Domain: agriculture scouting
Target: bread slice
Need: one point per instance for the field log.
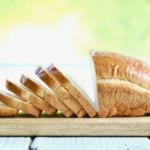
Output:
(123, 85)
(19, 104)
(73, 89)
(48, 96)
(32, 85)
(32, 98)
(60, 91)
(8, 112)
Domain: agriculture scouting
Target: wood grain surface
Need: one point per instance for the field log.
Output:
(139, 126)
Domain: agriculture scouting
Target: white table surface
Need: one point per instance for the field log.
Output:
(74, 143)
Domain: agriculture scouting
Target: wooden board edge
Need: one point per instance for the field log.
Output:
(75, 126)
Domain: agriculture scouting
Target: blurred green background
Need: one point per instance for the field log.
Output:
(114, 25)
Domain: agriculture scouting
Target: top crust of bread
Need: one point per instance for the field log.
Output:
(32, 85)
(58, 74)
(24, 94)
(69, 85)
(110, 65)
(49, 79)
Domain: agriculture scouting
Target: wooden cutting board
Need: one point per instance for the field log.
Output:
(137, 126)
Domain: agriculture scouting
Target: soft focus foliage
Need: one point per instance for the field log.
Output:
(116, 25)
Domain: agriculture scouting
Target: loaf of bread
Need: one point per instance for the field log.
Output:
(123, 84)
(60, 91)
(48, 96)
(80, 96)
(30, 97)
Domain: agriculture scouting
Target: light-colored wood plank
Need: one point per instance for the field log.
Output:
(139, 126)
(95, 143)
(14, 143)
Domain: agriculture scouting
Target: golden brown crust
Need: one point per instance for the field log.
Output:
(61, 92)
(47, 78)
(14, 88)
(19, 104)
(109, 65)
(8, 112)
(67, 84)
(33, 99)
(32, 85)
(46, 95)
(122, 98)
(62, 79)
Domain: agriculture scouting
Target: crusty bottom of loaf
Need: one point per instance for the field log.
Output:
(122, 98)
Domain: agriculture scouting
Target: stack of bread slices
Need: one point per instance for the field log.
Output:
(31, 97)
